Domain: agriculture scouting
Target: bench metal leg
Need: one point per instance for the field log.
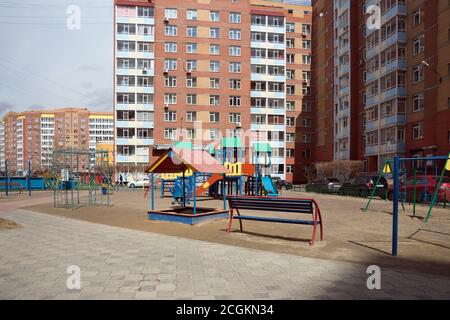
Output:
(240, 220)
(230, 220)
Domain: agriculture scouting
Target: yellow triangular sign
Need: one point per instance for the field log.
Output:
(447, 165)
(387, 168)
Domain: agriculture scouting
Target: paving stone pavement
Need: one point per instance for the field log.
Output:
(119, 263)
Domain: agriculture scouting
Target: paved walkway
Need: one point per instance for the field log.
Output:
(127, 264)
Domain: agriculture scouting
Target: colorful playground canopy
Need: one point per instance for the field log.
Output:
(177, 160)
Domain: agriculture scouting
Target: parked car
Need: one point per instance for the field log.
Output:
(280, 183)
(423, 183)
(325, 185)
(363, 186)
(139, 183)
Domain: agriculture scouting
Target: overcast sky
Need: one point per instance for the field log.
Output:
(43, 64)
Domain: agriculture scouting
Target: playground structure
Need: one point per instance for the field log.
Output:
(18, 184)
(248, 179)
(66, 180)
(432, 194)
(199, 162)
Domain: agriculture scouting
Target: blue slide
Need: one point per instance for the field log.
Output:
(269, 187)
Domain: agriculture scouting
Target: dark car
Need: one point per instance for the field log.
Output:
(325, 185)
(425, 187)
(363, 186)
(280, 183)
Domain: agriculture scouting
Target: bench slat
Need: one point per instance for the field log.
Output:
(277, 220)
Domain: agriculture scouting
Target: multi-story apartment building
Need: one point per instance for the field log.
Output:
(33, 136)
(390, 58)
(2, 146)
(228, 68)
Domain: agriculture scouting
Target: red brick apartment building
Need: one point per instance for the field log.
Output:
(381, 91)
(240, 68)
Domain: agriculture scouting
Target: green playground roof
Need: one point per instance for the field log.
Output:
(231, 143)
(262, 147)
(183, 145)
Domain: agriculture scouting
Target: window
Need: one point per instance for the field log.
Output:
(170, 133)
(235, 34)
(417, 73)
(191, 116)
(290, 43)
(418, 131)
(235, 84)
(418, 45)
(214, 33)
(170, 116)
(214, 100)
(418, 102)
(214, 83)
(235, 101)
(306, 44)
(235, 51)
(290, 105)
(290, 121)
(170, 82)
(191, 82)
(170, 47)
(191, 48)
(191, 99)
(306, 59)
(170, 64)
(214, 66)
(235, 67)
(170, 13)
(235, 17)
(235, 118)
(214, 49)
(145, 30)
(170, 30)
(145, 46)
(290, 27)
(290, 58)
(191, 32)
(144, 12)
(214, 134)
(214, 16)
(306, 29)
(417, 17)
(214, 117)
(191, 14)
(191, 65)
(170, 98)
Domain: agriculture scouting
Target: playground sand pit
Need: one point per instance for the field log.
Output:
(8, 224)
(349, 234)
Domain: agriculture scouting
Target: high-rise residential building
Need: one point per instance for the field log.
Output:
(390, 93)
(33, 136)
(202, 70)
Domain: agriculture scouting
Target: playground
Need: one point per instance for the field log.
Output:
(350, 235)
(218, 197)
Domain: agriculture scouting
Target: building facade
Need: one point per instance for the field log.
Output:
(213, 69)
(390, 89)
(33, 136)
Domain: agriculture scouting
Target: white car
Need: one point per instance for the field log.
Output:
(138, 183)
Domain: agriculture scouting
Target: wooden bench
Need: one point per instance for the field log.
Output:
(276, 204)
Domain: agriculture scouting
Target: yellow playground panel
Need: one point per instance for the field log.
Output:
(234, 168)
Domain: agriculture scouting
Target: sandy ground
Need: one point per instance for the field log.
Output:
(349, 234)
(7, 224)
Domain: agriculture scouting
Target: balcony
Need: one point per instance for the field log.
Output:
(267, 77)
(398, 9)
(268, 45)
(135, 106)
(135, 20)
(135, 54)
(135, 72)
(385, 96)
(386, 43)
(268, 61)
(267, 28)
(135, 37)
(133, 141)
(135, 89)
(397, 64)
(132, 159)
(268, 94)
(134, 124)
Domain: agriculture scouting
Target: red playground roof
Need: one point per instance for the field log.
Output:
(178, 160)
